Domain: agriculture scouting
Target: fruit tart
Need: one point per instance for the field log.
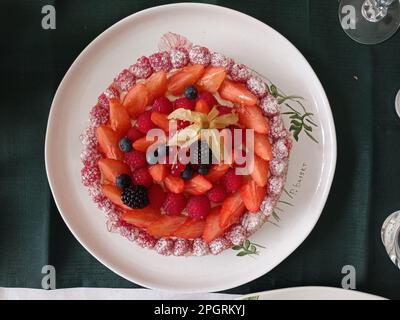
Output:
(186, 151)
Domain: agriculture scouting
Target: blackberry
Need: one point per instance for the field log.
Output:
(123, 181)
(203, 169)
(187, 173)
(190, 92)
(200, 153)
(135, 197)
(125, 144)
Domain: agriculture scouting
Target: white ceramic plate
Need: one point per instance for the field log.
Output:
(311, 293)
(248, 41)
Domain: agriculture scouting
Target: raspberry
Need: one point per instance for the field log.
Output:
(199, 55)
(200, 248)
(275, 185)
(160, 61)
(99, 115)
(164, 246)
(208, 97)
(145, 240)
(177, 168)
(135, 159)
(142, 176)
(224, 110)
(217, 194)
(144, 123)
(251, 222)
(240, 72)
(277, 128)
(133, 134)
(278, 167)
(198, 206)
(90, 156)
(142, 68)
(257, 86)
(181, 247)
(269, 106)
(218, 245)
(237, 235)
(179, 58)
(268, 206)
(280, 149)
(125, 80)
(174, 203)
(231, 181)
(88, 137)
(90, 175)
(220, 60)
(184, 103)
(163, 105)
(156, 196)
(104, 98)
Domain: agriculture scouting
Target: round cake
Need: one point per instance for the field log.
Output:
(186, 151)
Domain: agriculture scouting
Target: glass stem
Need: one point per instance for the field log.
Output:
(375, 10)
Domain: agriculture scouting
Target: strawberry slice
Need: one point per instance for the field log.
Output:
(160, 120)
(212, 79)
(141, 218)
(252, 117)
(119, 118)
(186, 77)
(232, 209)
(142, 144)
(198, 185)
(110, 169)
(216, 172)
(202, 106)
(174, 184)
(262, 146)
(252, 195)
(212, 228)
(158, 172)
(108, 141)
(156, 85)
(114, 194)
(136, 100)
(191, 229)
(237, 93)
(165, 225)
(260, 172)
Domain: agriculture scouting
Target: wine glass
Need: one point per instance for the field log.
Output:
(390, 235)
(369, 21)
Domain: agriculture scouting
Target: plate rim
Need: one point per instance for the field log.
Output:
(324, 192)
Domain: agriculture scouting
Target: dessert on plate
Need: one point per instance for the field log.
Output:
(185, 151)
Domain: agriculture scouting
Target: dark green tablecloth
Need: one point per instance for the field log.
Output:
(360, 81)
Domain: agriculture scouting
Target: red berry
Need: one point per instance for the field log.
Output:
(184, 103)
(174, 203)
(133, 134)
(217, 194)
(125, 80)
(231, 181)
(144, 123)
(199, 55)
(135, 159)
(142, 176)
(224, 110)
(208, 97)
(198, 206)
(179, 57)
(90, 175)
(239, 72)
(163, 105)
(156, 196)
(160, 61)
(109, 93)
(142, 68)
(177, 168)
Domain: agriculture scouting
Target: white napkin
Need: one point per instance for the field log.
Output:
(105, 294)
